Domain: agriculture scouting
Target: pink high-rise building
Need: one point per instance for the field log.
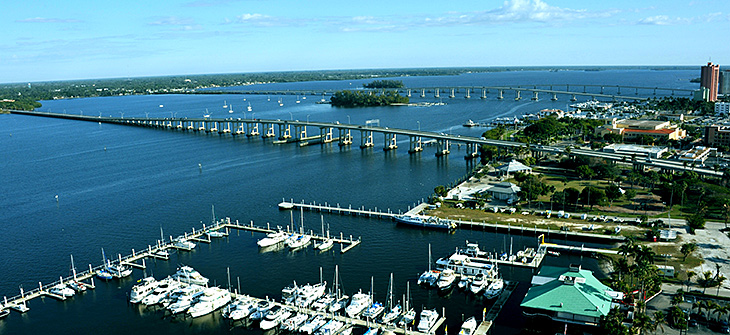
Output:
(709, 78)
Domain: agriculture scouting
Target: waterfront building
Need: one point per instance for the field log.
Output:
(696, 155)
(723, 86)
(709, 78)
(570, 295)
(631, 129)
(722, 108)
(503, 191)
(512, 167)
(717, 136)
(638, 150)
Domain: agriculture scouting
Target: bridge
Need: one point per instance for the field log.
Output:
(612, 92)
(295, 131)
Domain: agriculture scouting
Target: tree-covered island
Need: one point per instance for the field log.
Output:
(366, 98)
(384, 84)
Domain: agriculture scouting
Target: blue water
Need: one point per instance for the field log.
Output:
(117, 185)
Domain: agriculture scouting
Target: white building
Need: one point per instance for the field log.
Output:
(722, 108)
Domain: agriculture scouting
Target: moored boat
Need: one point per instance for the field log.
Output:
(425, 221)
(189, 275)
(494, 289)
(446, 279)
(427, 320)
(468, 327)
(360, 301)
(478, 284)
(144, 287)
(211, 299)
(274, 317)
(272, 239)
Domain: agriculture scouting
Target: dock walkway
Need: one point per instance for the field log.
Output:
(488, 317)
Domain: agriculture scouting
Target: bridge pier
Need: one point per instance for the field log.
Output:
(408, 94)
(269, 131)
(601, 89)
(226, 129)
(637, 91)
(390, 142)
(366, 139)
(517, 95)
(423, 93)
(472, 151)
(618, 90)
(500, 96)
(180, 125)
(252, 129)
(555, 97)
(484, 93)
(437, 93)
(442, 148)
(415, 144)
(452, 95)
(468, 93)
(534, 96)
(213, 127)
(191, 126)
(284, 131)
(326, 135)
(201, 126)
(345, 137)
(584, 88)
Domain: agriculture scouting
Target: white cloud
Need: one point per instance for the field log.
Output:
(172, 21)
(664, 20)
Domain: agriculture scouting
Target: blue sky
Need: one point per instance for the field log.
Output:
(60, 40)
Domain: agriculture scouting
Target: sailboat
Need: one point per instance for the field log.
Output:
(430, 276)
(231, 109)
(225, 105)
(162, 253)
(74, 284)
(393, 311)
(207, 114)
(410, 315)
(327, 243)
(249, 107)
(280, 103)
(298, 101)
(296, 241)
(341, 300)
(104, 272)
(215, 233)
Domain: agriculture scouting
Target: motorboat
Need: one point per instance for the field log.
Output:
(494, 289)
(189, 275)
(184, 297)
(323, 303)
(217, 233)
(262, 307)
(408, 317)
(272, 239)
(464, 282)
(330, 327)
(308, 294)
(374, 310)
(120, 270)
(392, 314)
(425, 221)
(144, 287)
(427, 320)
(293, 323)
(296, 241)
(211, 299)
(469, 326)
(446, 279)
(470, 124)
(182, 243)
(242, 309)
(62, 289)
(429, 277)
(77, 286)
(160, 292)
(478, 284)
(360, 301)
(312, 325)
(274, 317)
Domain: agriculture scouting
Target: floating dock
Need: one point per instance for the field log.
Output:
(488, 317)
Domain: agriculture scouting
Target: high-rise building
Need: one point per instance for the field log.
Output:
(724, 86)
(709, 78)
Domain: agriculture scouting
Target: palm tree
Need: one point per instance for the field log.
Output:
(677, 299)
(641, 323)
(721, 310)
(718, 282)
(659, 321)
(690, 274)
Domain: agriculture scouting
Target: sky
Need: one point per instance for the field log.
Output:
(43, 40)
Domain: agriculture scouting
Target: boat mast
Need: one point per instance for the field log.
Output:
(73, 267)
(301, 218)
(429, 257)
(390, 292)
(337, 282)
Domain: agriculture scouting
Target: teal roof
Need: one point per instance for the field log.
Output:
(585, 296)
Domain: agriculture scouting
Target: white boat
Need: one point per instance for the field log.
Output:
(463, 262)
(77, 286)
(274, 317)
(225, 105)
(429, 277)
(217, 233)
(372, 331)
(470, 123)
(392, 314)
(293, 323)
(308, 294)
(312, 325)
(446, 279)
(62, 290)
(144, 287)
(262, 307)
(119, 270)
(360, 301)
(494, 289)
(3, 312)
(184, 297)
(230, 111)
(330, 327)
(374, 310)
(182, 243)
(346, 331)
(296, 241)
(211, 299)
(325, 245)
(478, 284)
(427, 320)
(469, 326)
(249, 107)
(408, 317)
(464, 282)
(189, 275)
(242, 308)
(323, 303)
(272, 239)
(160, 292)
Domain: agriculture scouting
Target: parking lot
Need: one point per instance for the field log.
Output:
(699, 326)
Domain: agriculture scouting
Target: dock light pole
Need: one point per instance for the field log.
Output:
(252, 116)
(122, 114)
(291, 116)
(419, 125)
(308, 117)
(348, 120)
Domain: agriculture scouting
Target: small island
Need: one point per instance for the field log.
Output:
(366, 98)
(384, 84)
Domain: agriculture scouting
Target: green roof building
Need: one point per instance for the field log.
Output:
(570, 295)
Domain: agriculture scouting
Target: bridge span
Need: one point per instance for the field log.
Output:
(313, 132)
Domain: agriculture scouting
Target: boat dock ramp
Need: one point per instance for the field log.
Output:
(137, 260)
(361, 211)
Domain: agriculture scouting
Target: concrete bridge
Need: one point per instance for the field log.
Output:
(613, 92)
(312, 132)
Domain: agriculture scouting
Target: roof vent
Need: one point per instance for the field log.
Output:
(575, 267)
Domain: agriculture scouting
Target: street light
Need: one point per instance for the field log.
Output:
(348, 120)
(308, 117)
(419, 125)
(122, 114)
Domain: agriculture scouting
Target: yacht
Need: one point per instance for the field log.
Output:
(293, 324)
(425, 221)
(446, 279)
(211, 299)
(62, 290)
(274, 317)
(374, 310)
(188, 275)
(312, 325)
(183, 298)
(242, 309)
(464, 282)
(330, 327)
(470, 124)
(323, 303)
(217, 233)
(339, 304)
(360, 301)
(307, 294)
(120, 270)
(272, 239)
(182, 243)
(478, 284)
(469, 326)
(145, 287)
(262, 307)
(464, 264)
(160, 292)
(428, 319)
(429, 277)
(494, 289)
